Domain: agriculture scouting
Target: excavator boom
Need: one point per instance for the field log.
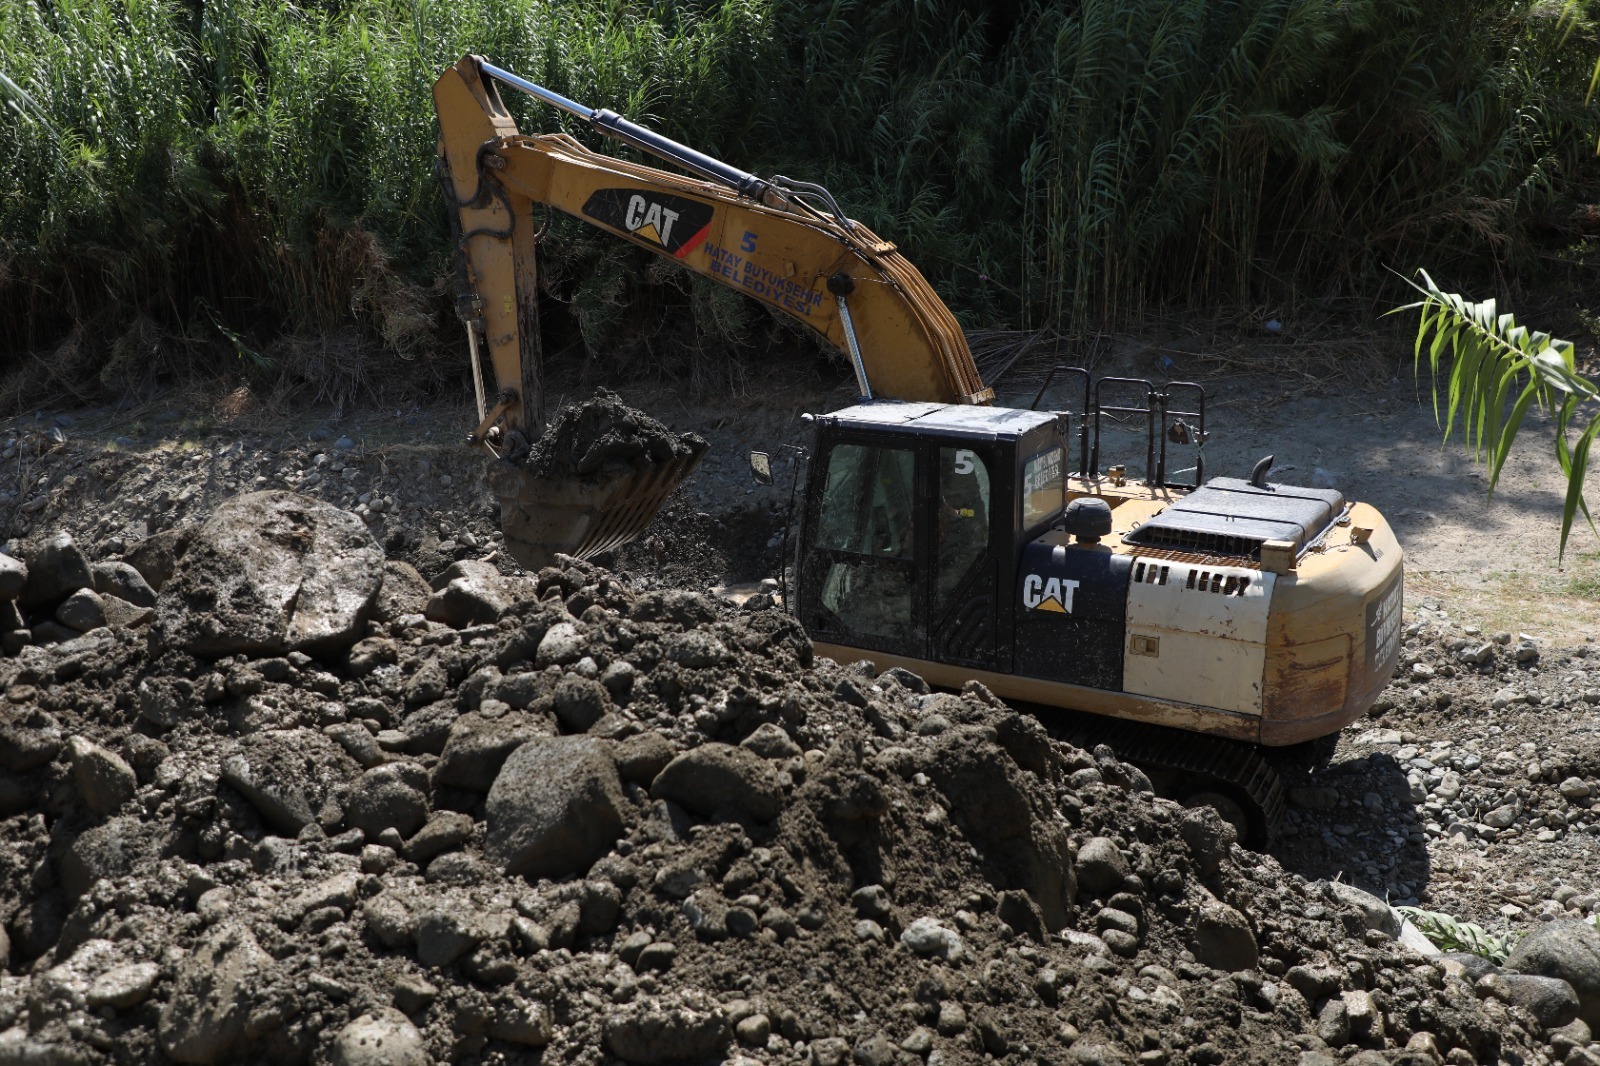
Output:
(784, 243)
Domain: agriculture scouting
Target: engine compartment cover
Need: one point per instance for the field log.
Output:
(1229, 516)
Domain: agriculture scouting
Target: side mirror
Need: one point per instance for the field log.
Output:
(761, 467)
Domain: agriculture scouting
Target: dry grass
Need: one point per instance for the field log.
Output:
(1561, 608)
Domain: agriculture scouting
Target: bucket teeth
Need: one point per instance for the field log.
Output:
(582, 516)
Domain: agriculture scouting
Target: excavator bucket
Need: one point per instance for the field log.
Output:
(543, 517)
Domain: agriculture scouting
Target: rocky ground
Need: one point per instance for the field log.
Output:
(389, 800)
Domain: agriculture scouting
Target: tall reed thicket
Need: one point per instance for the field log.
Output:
(252, 178)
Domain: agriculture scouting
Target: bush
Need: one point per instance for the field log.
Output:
(187, 183)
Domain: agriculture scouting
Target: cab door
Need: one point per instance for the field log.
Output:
(965, 555)
(862, 575)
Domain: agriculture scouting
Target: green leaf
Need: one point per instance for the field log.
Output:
(1490, 358)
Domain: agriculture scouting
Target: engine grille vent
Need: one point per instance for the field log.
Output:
(1226, 516)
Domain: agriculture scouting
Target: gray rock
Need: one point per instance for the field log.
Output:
(391, 921)
(872, 901)
(104, 781)
(56, 569)
(931, 939)
(27, 740)
(105, 852)
(641, 758)
(357, 742)
(655, 1032)
(120, 614)
(1100, 866)
(272, 572)
(124, 986)
(580, 702)
(1475, 966)
(280, 801)
(443, 936)
(563, 643)
(770, 742)
(1375, 913)
(468, 593)
(445, 831)
(521, 1021)
(383, 1038)
(721, 781)
(556, 807)
(123, 581)
(477, 747)
(1208, 836)
(403, 592)
(830, 1051)
(1569, 950)
(367, 655)
(338, 891)
(13, 577)
(1575, 788)
(204, 1020)
(1550, 1000)
(156, 557)
(393, 796)
(1222, 938)
(83, 610)
(696, 649)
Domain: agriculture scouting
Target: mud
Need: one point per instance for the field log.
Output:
(302, 856)
(739, 853)
(602, 435)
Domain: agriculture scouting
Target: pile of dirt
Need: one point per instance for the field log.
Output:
(558, 819)
(603, 435)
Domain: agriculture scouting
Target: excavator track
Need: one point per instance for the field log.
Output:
(1187, 767)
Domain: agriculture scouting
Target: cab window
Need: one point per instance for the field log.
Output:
(1044, 487)
(866, 540)
(961, 527)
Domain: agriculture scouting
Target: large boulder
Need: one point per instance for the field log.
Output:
(272, 572)
(1569, 950)
(556, 807)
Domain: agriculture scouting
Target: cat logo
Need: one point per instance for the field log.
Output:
(649, 220)
(1048, 594)
(674, 223)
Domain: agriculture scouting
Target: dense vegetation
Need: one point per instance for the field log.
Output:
(182, 178)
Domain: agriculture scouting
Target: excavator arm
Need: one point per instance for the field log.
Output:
(782, 242)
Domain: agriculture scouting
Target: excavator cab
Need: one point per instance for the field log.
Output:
(912, 524)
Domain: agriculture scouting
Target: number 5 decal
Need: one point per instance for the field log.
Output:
(965, 461)
(748, 244)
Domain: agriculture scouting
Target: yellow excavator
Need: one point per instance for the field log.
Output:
(1199, 620)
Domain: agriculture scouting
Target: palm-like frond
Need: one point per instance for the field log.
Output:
(1492, 362)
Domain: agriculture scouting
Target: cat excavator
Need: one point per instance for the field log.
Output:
(1198, 620)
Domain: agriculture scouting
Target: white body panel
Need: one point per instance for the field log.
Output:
(1197, 633)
